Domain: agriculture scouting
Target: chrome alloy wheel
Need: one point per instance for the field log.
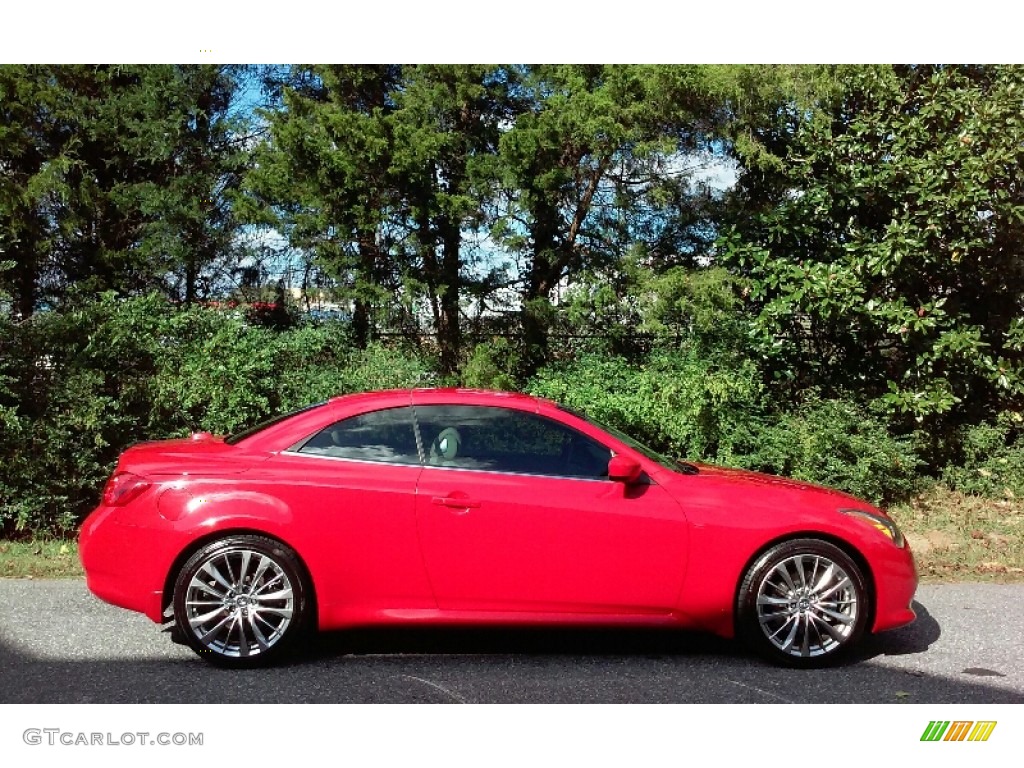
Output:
(807, 606)
(239, 603)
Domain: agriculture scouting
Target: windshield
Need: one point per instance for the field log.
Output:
(636, 445)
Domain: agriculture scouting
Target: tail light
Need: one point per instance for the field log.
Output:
(122, 488)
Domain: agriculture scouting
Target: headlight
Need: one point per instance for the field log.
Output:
(880, 523)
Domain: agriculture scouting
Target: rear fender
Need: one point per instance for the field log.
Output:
(212, 508)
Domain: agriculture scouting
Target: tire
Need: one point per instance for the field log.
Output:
(242, 601)
(803, 603)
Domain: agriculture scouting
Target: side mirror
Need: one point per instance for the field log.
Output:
(623, 469)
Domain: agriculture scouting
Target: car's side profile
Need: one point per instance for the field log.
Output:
(470, 507)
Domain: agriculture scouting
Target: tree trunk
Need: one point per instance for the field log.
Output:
(190, 280)
(536, 310)
(449, 336)
(368, 252)
(25, 278)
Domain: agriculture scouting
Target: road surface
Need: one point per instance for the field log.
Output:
(60, 644)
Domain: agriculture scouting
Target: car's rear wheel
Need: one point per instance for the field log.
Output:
(803, 603)
(241, 601)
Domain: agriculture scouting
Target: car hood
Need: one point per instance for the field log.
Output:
(773, 486)
(748, 476)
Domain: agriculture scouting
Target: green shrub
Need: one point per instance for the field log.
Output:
(214, 372)
(75, 392)
(992, 459)
(715, 409)
(491, 365)
(838, 444)
(78, 387)
(678, 402)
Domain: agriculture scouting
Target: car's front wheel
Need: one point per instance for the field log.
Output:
(803, 603)
(241, 601)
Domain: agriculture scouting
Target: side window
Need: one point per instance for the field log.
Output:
(386, 436)
(505, 440)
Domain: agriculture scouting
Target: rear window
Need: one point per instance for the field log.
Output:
(386, 436)
(240, 436)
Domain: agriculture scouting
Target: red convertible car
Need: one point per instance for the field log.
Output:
(468, 507)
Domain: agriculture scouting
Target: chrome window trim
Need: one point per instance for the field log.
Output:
(521, 474)
(292, 452)
(301, 454)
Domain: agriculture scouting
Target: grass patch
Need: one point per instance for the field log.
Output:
(40, 559)
(956, 537)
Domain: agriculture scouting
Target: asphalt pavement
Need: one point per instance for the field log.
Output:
(60, 644)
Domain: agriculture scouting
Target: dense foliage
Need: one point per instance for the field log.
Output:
(812, 271)
(122, 371)
(884, 251)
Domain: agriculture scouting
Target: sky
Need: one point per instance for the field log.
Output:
(741, 31)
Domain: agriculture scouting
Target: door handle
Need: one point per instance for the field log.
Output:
(455, 502)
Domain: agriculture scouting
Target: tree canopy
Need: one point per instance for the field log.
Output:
(883, 251)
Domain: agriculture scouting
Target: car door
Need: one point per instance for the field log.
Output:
(516, 513)
(352, 486)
